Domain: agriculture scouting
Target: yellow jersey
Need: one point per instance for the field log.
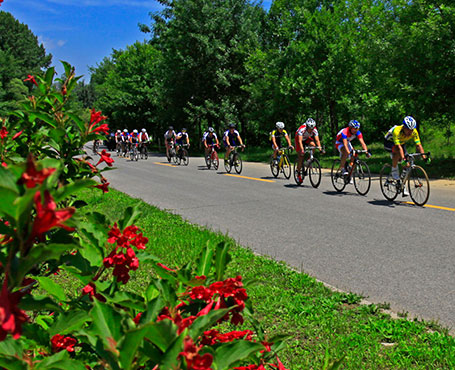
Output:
(396, 134)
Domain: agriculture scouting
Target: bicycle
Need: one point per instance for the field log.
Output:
(310, 167)
(212, 158)
(182, 155)
(143, 150)
(415, 177)
(171, 152)
(134, 155)
(118, 148)
(281, 163)
(358, 172)
(234, 160)
(96, 146)
(125, 149)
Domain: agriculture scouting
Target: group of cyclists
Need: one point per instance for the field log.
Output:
(131, 141)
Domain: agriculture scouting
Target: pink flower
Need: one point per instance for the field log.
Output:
(17, 135)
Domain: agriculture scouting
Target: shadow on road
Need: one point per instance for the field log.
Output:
(343, 193)
(295, 186)
(387, 203)
(203, 168)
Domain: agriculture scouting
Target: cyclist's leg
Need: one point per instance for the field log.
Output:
(344, 154)
(275, 152)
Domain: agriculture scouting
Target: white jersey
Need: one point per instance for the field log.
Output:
(302, 131)
(206, 136)
(143, 136)
(169, 134)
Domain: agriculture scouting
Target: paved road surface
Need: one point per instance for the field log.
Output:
(388, 252)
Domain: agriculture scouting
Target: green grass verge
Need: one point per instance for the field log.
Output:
(288, 302)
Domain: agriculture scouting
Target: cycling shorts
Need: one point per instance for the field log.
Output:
(341, 145)
(389, 146)
(308, 141)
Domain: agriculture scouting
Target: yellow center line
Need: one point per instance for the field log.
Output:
(165, 164)
(437, 207)
(249, 178)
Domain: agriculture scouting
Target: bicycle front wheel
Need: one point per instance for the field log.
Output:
(389, 186)
(227, 164)
(274, 166)
(286, 167)
(337, 178)
(314, 172)
(208, 161)
(419, 185)
(362, 178)
(297, 173)
(238, 163)
(175, 156)
(215, 160)
(185, 157)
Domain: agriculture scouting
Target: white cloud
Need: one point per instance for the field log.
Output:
(50, 44)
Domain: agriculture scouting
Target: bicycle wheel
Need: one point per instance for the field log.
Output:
(389, 186)
(185, 157)
(175, 156)
(337, 177)
(238, 163)
(296, 173)
(362, 178)
(208, 161)
(215, 160)
(227, 164)
(136, 155)
(419, 185)
(314, 172)
(286, 167)
(274, 166)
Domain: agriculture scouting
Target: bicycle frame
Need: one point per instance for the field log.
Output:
(354, 161)
(411, 159)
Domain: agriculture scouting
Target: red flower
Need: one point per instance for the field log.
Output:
(194, 361)
(280, 365)
(96, 118)
(202, 293)
(165, 267)
(103, 187)
(32, 79)
(60, 342)
(90, 290)
(3, 132)
(31, 177)
(137, 318)
(11, 317)
(17, 135)
(47, 217)
(105, 157)
(4, 165)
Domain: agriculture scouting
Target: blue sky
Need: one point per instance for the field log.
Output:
(83, 32)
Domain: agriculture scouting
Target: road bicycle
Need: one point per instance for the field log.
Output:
(118, 148)
(143, 150)
(125, 149)
(212, 159)
(414, 176)
(281, 163)
(134, 154)
(234, 160)
(96, 146)
(357, 171)
(310, 167)
(171, 152)
(182, 155)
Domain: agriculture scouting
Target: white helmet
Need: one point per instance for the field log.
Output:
(279, 125)
(119, 131)
(409, 122)
(134, 131)
(125, 130)
(144, 130)
(310, 123)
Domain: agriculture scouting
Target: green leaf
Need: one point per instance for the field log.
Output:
(80, 123)
(154, 307)
(52, 287)
(10, 347)
(49, 76)
(12, 364)
(204, 322)
(61, 361)
(229, 354)
(69, 322)
(72, 188)
(162, 334)
(130, 344)
(7, 180)
(37, 303)
(170, 358)
(205, 261)
(127, 299)
(43, 117)
(130, 216)
(167, 293)
(106, 322)
(221, 260)
(7, 203)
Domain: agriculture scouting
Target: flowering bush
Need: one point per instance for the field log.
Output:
(171, 324)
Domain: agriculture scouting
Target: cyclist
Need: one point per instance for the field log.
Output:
(125, 140)
(306, 134)
(169, 135)
(134, 139)
(343, 142)
(277, 138)
(395, 142)
(208, 139)
(143, 138)
(182, 138)
(230, 137)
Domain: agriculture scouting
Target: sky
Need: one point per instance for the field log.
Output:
(83, 32)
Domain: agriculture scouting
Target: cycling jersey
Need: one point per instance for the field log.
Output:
(397, 136)
(302, 131)
(124, 136)
(232, 137)
(143, 136)
(346, 134)
(118, 137)
(134, 138)
(169, 134)
(184, 136)
(209, 139)
(279, 136)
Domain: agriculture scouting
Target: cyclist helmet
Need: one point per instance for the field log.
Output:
(211, 129)
(183, 129)
(119, 131)
(171, 127)
(144, 130)
(409, 122)
(354, 123)
(134, 131)
(279, 125)
(310, 123)
(231, 125)
(125, 130)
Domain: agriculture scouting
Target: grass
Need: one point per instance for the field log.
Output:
(289, 302)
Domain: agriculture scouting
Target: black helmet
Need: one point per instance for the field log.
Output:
(231, 125)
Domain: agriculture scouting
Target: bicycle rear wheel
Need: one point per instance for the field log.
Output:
(286, 167)
(238, 163)
(389, 186)
(274, 167)
(296, 173)
(337, 178)
(175, 156)
(185, 157)
(419, 185)
(208, 161)
(314, 172)
(227, 164)
(215, 160)
(362, 178)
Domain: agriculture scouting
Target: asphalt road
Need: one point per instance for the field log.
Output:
(388, 252)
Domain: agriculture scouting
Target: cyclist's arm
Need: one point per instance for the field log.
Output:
(362, 142)
(274, 142)
(345, 144)
(318, 142)
(300, 139)
(419, 148)
(288, 140)
(240, 139)
(188, 139)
